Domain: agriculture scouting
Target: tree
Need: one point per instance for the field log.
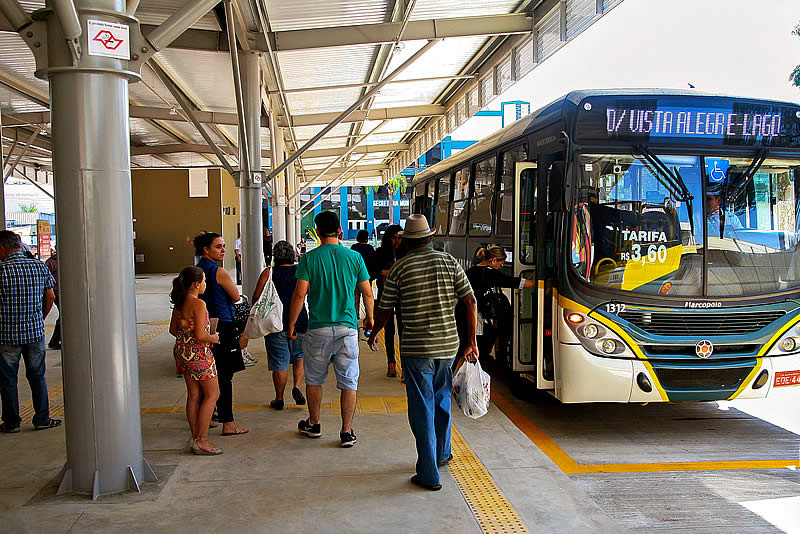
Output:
(795, 75)
(28, 208)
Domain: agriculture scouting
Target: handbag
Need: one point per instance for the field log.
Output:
(493, 304)
(266, 315)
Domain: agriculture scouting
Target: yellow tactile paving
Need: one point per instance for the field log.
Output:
(159, 328)
(491, 509)
(54, 393)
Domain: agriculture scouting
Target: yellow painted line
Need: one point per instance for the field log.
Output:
(569, 466)
(364, 405)
(491, 508)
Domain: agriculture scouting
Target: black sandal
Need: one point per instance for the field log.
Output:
(52, 423)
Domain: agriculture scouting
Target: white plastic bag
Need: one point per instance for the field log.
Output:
(471, 389)
(266, 315)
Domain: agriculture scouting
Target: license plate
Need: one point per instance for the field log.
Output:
(787, 378)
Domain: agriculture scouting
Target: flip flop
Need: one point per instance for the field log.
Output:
(239, 430)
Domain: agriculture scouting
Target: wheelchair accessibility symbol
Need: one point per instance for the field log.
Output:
(717, 169)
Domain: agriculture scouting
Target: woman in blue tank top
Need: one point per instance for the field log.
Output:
(220, 294)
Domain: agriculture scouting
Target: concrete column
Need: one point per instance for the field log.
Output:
(91, 163)
(249, 188)
(278, 184)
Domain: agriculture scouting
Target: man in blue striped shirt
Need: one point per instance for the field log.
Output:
(26, 296)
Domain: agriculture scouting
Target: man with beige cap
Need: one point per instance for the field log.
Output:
(425, 285)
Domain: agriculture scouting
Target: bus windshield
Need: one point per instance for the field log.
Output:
(697, 225)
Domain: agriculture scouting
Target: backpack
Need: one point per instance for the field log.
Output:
(492, 304)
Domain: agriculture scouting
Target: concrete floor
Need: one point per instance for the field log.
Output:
(273, 479)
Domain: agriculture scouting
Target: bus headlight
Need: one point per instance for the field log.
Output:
(590, 331)
(596, 337)
(789, 343)
(609, 346)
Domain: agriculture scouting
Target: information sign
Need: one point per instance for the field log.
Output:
(108, 39)
(43, 238)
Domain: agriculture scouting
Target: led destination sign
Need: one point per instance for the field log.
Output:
(677, 120)
(691, 123)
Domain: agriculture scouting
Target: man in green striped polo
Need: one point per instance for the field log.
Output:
(425, 286)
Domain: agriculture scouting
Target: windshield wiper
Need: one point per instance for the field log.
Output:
(748, 175)
(674, 181)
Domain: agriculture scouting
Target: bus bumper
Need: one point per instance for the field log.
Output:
(583, 377)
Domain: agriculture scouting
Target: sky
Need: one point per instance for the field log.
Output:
(734, 47)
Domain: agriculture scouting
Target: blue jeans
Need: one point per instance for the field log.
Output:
(281, 351)
(34, 355)
(428, 386)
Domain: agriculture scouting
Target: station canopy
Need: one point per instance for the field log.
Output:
(317, 59)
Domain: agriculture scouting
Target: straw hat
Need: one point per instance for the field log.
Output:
(416, 227)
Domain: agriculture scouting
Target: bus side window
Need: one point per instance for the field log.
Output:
(505, 190)
(480, 205)
(442, 209)
(458, 221)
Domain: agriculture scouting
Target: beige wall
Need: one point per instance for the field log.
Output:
(165, 215)
(230, 220)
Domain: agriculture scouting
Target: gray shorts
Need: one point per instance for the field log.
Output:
(337, 344)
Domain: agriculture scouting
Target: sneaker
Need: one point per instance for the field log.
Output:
(348, 438)
(5, 428)
(298, 397)
(249, 361)
(276, 404)
(418, 481)
(391, 371)
(305, 427)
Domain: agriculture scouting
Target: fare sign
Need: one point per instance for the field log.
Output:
(787, 378)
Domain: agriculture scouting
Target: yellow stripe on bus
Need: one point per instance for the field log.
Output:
(750, 377)
(572, 305)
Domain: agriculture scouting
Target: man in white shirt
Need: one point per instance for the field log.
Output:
(237, 250)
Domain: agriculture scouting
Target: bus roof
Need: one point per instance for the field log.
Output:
(564, 108)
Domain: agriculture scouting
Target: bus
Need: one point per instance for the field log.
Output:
(662, 230)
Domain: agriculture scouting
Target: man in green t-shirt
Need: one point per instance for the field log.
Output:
(329, 275)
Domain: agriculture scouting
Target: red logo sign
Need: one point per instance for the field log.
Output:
(787, 378)
(108, 39)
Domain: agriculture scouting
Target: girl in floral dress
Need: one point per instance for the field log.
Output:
(193, 356)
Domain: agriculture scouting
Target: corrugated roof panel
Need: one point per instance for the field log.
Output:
(189, 159)
(326, 66)
(448, 57)
(409, 94)
(157, 11)
(144, 132)
(442, 9)
(151, 91)
(304, 133)
(148, 161)
(12, 102)
(304, 14)
(206, 77)
(316, 102)
(18, 62)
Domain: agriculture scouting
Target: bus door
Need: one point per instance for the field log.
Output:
(527, 302)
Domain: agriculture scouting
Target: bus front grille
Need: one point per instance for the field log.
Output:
(700, 324)
(719, 378)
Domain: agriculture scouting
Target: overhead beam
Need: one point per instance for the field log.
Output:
(405, 112)
(174, 148)
(415, 30)
(359, 85)
(140, 112)
(488, 25)
(364, 149)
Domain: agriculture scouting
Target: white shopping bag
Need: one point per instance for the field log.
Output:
(266, 315)
(471, 389)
